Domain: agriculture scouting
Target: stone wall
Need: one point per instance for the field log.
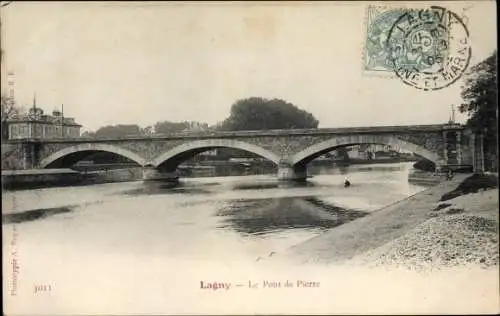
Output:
(12, 157)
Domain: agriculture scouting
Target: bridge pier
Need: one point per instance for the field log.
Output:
(287, 172)
(29, 152)
(151, 174)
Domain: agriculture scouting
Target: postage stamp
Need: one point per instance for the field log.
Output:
(379, 22)
(426, 48)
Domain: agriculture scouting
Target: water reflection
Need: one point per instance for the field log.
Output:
(255, 186)
(155, 188)
(261, 216)
(379, 168)
(195, 187)
(272, 185)
(343, 170)
(33, 215)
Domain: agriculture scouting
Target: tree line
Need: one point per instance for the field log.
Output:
(252, 113)
(480, 95)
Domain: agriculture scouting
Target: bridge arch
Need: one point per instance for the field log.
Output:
(73, 154)
(305, 156)
(189, 149)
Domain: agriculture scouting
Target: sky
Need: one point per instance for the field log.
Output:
(140, 63)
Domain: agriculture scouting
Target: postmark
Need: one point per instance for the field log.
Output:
(429, 48)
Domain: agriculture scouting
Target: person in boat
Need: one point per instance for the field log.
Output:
(346, 183)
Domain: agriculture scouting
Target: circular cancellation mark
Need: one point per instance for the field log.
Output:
(429, 48)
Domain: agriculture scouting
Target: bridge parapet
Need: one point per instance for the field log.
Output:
(260, 133)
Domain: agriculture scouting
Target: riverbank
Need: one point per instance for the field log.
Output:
(39, 178)
(48, 178)
(418, 232)
(425, 177)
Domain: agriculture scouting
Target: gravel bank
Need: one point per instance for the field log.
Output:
(460, 232)
(456, 240)
(418, 233)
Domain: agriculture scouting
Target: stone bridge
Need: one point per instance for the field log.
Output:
(290, 150)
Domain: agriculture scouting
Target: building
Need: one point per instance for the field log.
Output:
(209, 153)
(36, 124)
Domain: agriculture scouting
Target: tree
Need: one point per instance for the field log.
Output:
(167, 127)
(259, 114)
(341, 153)
(425, 165)
(88, 134)
(116, 131)
(8, 111)
(480, 103)
(147, 131)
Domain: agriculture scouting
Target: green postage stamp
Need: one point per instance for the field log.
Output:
(379, 21)
(427, 48)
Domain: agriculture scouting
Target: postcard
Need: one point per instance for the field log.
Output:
(242, 158)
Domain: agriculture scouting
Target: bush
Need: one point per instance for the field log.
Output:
(425, 165)
(472, 184)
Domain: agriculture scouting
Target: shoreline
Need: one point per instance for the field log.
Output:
(397, 234)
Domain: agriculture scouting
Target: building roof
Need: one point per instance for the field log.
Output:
(19, 121)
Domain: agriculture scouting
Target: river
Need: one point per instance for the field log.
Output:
(109, 238)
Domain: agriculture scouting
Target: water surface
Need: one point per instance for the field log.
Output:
(136, 236)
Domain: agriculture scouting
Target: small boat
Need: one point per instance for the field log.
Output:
(347, 183)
